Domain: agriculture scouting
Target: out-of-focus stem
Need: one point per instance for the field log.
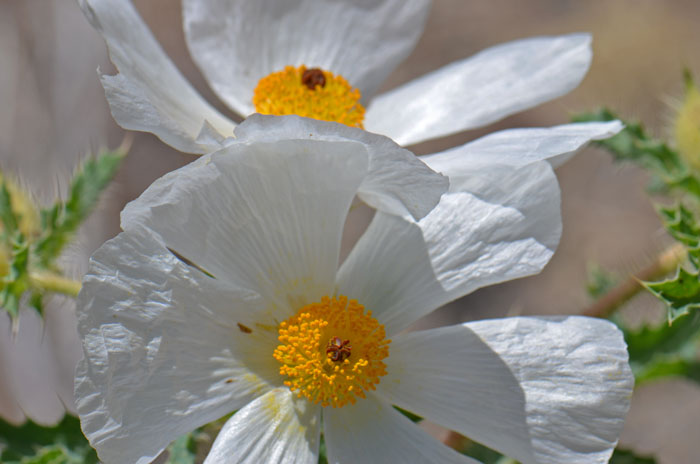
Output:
(664, 264)
(51, 282)
(126, 143)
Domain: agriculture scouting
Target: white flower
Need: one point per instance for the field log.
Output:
(224, 291)
(238, 43)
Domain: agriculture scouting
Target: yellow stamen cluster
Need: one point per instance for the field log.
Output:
(290, 92)
(306, 359)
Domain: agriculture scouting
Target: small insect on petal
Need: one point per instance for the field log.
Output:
(338, 350)
(244, 328)
(313, 77)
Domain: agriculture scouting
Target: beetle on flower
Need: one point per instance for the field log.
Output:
(223, 293)
(320, 59)
(338, 350)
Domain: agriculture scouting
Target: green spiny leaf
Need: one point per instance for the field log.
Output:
(410, 415)
(56, 454)
(686, 181)
(61, 221)
(16, 282)
(665, 350)
(36, 301)
(484, 454)
(646, 343)
(635, 145)
(681, 294)
(322, 457)
(183, 450)
(681, 224)
(8, 219)
(600, 281)
(87, 186)
(660, 368)
(33, 444)
(621, 456)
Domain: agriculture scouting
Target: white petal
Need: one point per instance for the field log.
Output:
(29, 376)
(397, 182)
(275, 428)
(163, 350)
(238, 42)
(509, 230)
(403, 270)
(541, 390)
(474, 92)
(149, 93)
(519, 147)
(372, 431)
(389, 272)
(267, 216)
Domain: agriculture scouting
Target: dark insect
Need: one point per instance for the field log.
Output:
(338, 350)
(312, 78)
(244, 329)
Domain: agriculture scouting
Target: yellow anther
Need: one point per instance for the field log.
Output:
(312, 365)
(312, 93)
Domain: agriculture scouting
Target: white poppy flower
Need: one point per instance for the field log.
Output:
(223, 293)
(320, 59)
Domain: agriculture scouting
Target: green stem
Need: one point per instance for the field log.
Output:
(51, 282)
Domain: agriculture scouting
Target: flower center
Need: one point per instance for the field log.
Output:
(312, 93)
(332, 351)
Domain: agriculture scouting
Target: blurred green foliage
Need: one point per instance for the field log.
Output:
(33, 238)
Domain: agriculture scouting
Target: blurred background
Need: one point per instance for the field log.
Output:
(53, 113)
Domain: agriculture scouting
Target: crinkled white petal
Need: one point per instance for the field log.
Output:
(511, 230)
(163, 351)
(238, 42)
(403, 270)
(276, 428)
(519, 147)
(389, 272)
(372, 431)
(541, 390)
(474, 92)
(149, 93)
(397, 181)
(263, 215)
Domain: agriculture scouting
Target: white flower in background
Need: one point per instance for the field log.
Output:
(321, 59)
(223, 293)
